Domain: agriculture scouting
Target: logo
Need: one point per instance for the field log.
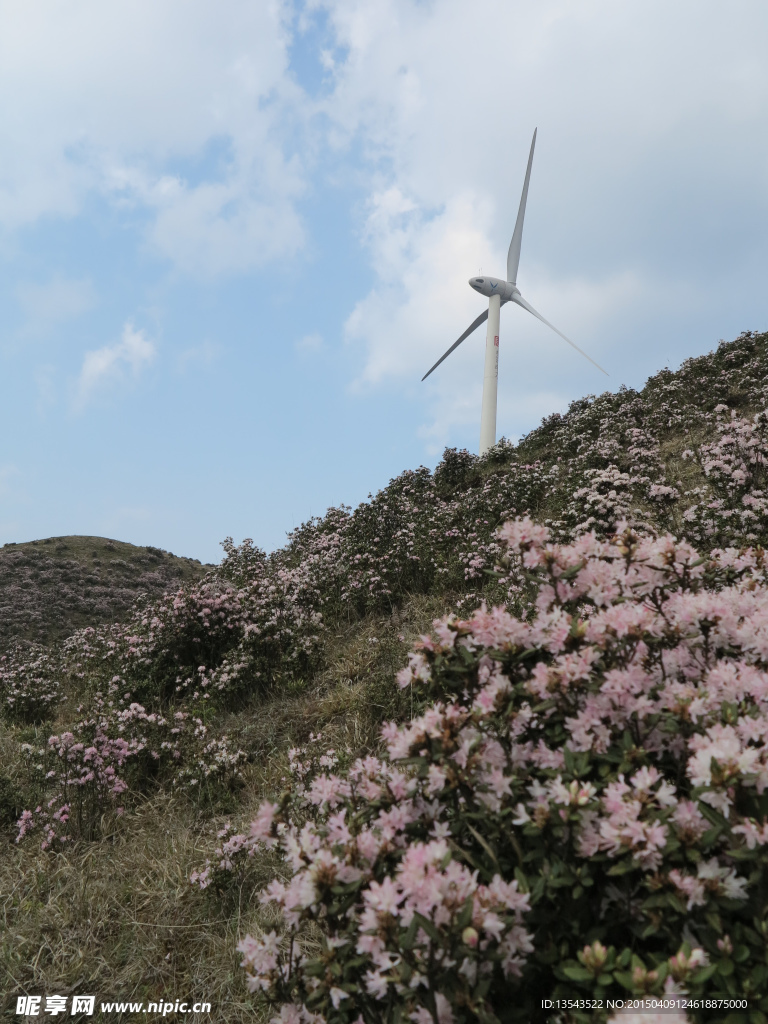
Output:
(496, 340)
(29, 1006)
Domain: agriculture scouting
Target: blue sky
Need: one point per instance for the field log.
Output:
(234, 236)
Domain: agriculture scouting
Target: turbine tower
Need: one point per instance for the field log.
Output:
(499, 293)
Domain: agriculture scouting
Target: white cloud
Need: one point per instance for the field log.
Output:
(107, 365)
(216, 229)
(181, 108)
(199, 355)
(422, 301)
(310, 343)
(54, 301)
(45, 383)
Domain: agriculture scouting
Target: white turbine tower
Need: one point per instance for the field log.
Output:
(500, 292)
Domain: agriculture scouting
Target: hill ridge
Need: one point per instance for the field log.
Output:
(52, 586)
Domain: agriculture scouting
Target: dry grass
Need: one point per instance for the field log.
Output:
(117, 918)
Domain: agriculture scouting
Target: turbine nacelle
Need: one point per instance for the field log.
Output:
(489, 286)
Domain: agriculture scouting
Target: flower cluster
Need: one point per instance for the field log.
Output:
(595, 773)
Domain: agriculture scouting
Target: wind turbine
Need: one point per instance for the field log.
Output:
(499, 293)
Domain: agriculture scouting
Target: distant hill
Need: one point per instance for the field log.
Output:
(49, 588)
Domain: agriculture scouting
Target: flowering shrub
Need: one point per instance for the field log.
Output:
(208, 640)
(732, 503)
(230, 860)
(581, 810)
(29, 686)
(113, 754)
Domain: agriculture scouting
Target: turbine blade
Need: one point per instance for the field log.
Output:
(513, 256)
(475, 323)
(526, 305)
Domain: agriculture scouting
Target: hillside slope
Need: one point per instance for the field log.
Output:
(49, 588)
(195, 700)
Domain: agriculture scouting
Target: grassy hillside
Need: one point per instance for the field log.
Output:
(269, 649)
(49, 588)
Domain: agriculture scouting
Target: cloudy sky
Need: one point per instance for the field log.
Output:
(235, 235)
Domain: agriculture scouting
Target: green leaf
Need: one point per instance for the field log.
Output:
(464, 854)
(714, 922)
(314, 968)
(622, 868)
(485, 845)
(743, 854)
(577, 973)
(427, 926)
(624, 978)
(407, 940)
(568, 574)
(711, 836)
(676, 903)
(658, 899)
(704, 974)
(712, 815)
(481, 989)
(544, 706)
(465, 914)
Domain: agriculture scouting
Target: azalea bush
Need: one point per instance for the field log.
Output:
(733, 501)
(210, 641)
(579, 811)
(115, 753)
(30, 690)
